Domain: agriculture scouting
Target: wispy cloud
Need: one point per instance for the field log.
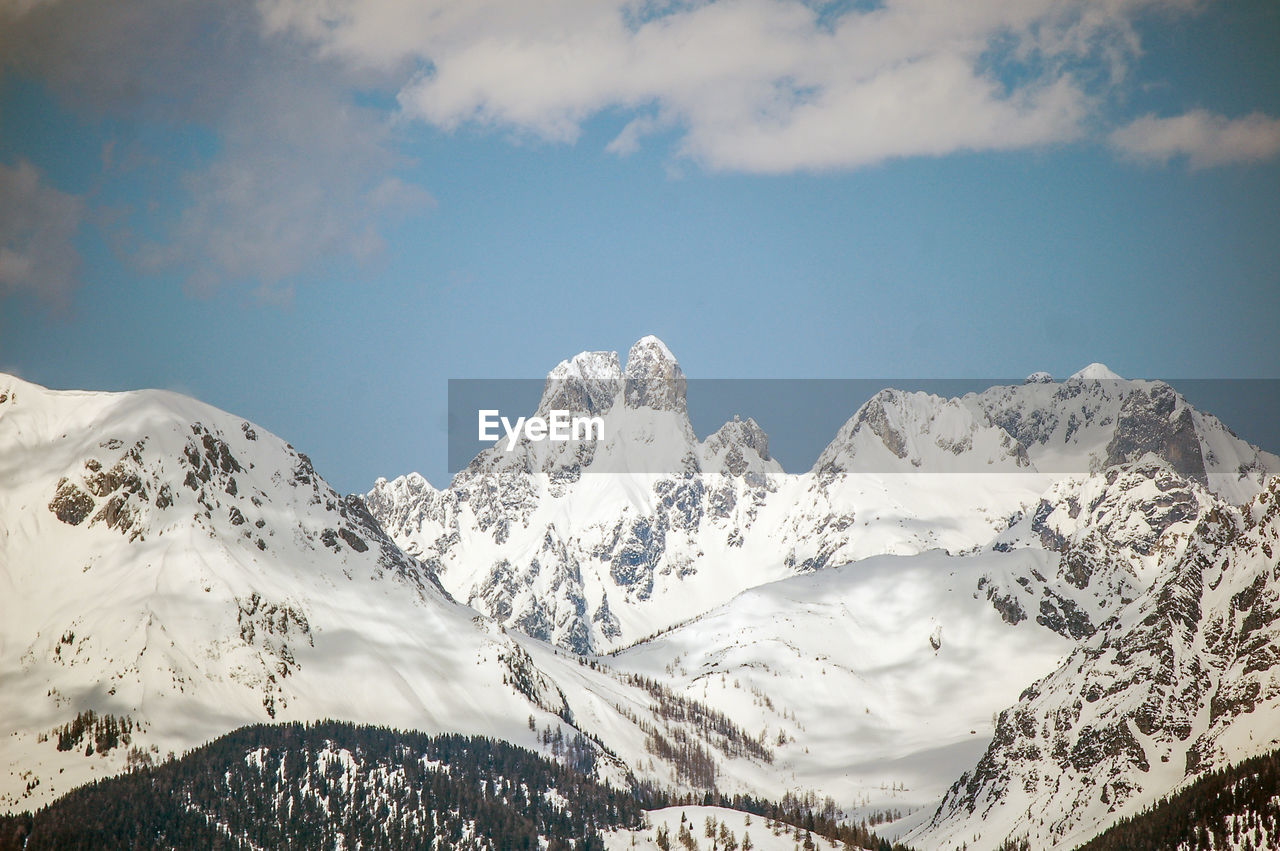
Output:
(301, 175)
(303, 178)
(754, 85)
(38, 227)
(1205, 138)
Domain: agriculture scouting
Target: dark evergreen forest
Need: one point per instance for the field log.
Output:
(339, 785)
(1236, 807)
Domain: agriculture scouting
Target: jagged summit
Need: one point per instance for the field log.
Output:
(542, 535)
(653, 377)
(898, 431)
(590, 382)
(1038, 377)
(1097, 372)
(597, 365)
(739, 447)
(742, 433)
(586, 383)
(1181, 681)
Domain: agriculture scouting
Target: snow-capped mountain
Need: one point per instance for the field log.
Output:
(1183, 680)
(908, 432)
(172, 572)
(593, 545)
(1095, 419)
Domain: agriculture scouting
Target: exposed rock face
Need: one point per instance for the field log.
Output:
(71, 504)
(165, 561)
(1155, 422)
(505, 542)
(739, 448)
(874, 417)
(653, 378)
(897, 432)
(1109, 533)
(586, 384)
(1183, 680)
(1095, 420)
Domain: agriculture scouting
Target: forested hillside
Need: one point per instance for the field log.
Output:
(1235, 808)
(334, 785)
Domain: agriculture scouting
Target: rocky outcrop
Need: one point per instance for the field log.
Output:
(1183, 680)
(1107, 533)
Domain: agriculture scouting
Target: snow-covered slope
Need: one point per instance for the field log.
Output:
(1185, 679)
(740, 830)
(876, 682)
(594, 545)
(180, 572)
(898, 432)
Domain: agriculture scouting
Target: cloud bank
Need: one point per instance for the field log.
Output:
(752, 85)
(311, 105)
(299, 175)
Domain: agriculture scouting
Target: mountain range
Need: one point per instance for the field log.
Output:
(1020, 614)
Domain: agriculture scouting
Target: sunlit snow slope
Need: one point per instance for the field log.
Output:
(180, 572)
(876, 681)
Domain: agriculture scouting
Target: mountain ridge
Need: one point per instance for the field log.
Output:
(589, 545)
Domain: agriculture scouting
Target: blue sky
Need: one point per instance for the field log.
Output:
(316, 221)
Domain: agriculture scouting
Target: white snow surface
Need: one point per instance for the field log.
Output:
(842, 666)
(1096, 372)
(169, 562)
(739, 825)
(592, 547)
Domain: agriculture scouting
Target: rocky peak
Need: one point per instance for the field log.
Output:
(654, 378)
(875, 416)
(897, 431)
(1156, 419)
(586, 383)
(738, 432)
(1134, 504)
(1040, 377)
(1181, 681)
(738, 447)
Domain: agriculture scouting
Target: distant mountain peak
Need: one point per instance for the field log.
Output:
(739, 447)
(1096, 372)
(598, 365)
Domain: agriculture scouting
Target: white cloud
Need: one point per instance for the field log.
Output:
(38, 227)
(753, 85)
(1206, 139)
